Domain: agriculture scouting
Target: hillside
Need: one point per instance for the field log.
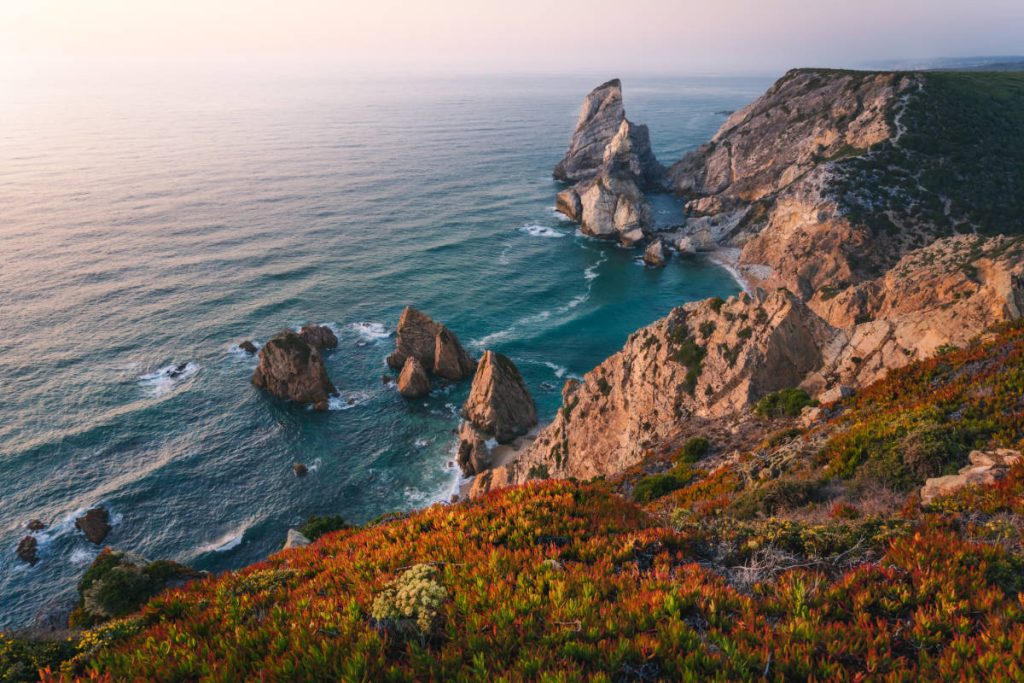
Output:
(798, 550)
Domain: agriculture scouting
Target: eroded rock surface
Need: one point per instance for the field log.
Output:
(95, 524)
(499, 403)
(413, 381)
(291, 368)
(432, 344)
(986, 468)
(320, 336)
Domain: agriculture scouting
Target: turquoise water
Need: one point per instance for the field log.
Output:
(151, 224)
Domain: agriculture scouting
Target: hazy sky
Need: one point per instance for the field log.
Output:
(561, 36)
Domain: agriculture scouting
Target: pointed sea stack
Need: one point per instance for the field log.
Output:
(290, 367)
(432, 344)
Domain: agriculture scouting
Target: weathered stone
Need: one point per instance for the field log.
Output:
(986, 468)
(27, 550)
(320, 336)
(655, 254)
(499, 403)
(299, 469)
(432, 344)
(35, 525)
(450, 360)
(472, 454)
(413, 381)
(489, 480)
(95, 524)
(295, 539)
(290, 367)
(836, 393)
(247, 346)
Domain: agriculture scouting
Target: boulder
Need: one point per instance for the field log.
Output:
(320, 336)
(95, 524)
(413, 382)
(299, 469)
(655, 254)
(836, 393)
(295, 539)
(609, 207)
(472, 454)
(489, 480)
(27, 550)
(36, 525)
(247, 346)
(290, 367)
(432, 344)
(499, 403)
(986, 468)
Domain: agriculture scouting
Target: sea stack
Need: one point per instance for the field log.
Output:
(413, 381)
(611, 164)
(433, 345)
(291, 368)
(319, 336)
(499, 409)
(95, 524)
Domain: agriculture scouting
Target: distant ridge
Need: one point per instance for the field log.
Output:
(989, 63)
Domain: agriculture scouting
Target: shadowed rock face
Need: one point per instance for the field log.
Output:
(499, 403)
(291, 368)
(319, 336)
(413, 382)
(611, 163)
(95, 524)
(432, 344)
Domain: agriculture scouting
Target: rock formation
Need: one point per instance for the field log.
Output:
(290, 367)
(248, 347)
(413, 381)
(499, 409)
(655, 255)
(27, 550)
(299, 469)
(320, 336)
(95, 524)
(611, 164)
(432, 344)
(295, 539)
(35, 525)
(987, 467)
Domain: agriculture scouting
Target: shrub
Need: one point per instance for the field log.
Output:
(784, 403)
(411, 602)
(692, 450)
(775, 496)
(22, 658)
(316, 526)
(657, 485)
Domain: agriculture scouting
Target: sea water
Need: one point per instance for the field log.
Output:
(147, 224)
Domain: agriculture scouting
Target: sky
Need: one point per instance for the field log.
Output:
(511, 36)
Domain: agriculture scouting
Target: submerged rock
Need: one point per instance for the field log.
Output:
(247, 346)
(499, 403)
(290, 367)
(27, 550)
(299, 469)
(413, 382)
(320, 336)
(432, 344)
(95, 524)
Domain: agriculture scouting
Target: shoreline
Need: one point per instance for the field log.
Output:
(728, 258)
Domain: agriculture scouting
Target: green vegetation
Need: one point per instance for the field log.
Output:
(22, 658)
(692, 450)
(658, 485)
(784, 403)
(316, 526)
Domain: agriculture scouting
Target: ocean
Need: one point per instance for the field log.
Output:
(150, 223)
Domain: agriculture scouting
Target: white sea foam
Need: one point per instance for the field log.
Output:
(315, 466)
(228, 541)
(557, 369)
(347, 400)
(82, 556)
(369, 331)
(421, 443)
(541, 231)
(167, 379)
(561, 216)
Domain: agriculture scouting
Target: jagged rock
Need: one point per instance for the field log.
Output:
(836, 393)
(247, 346)
(413, 381)
(655, 254)
(299, 469)
(489, 480)
(290, 367)
(472, 454)
(295, 539)
(604, 140)
(320, 336)
(611, 162)
(986, 468)
(432, 344)
(27, 550)
(35, 525)
(95, 524)
(499, 403)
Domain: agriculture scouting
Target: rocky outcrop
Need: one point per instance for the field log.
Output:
(611, 163)
(413, 381)
(656, 255)
(95, 524)
(320, 336)
(432, 344)
(300, 469)
(248, 347)
(291, 368)
(28, 550)
(986, 468)
(295, 539)
(35, 525)
(498, 410)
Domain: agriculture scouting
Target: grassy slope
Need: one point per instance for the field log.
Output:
(963, 144)
(736, 586)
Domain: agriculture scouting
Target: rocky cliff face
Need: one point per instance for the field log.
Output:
(611, 163)
(290, 367)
